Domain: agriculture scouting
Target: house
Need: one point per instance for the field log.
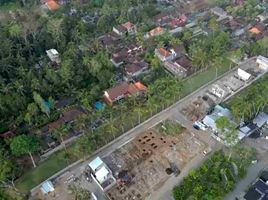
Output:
(263, 16)
(54, 56)
(181, 66)
(63, 102)
(261, 119)
(169, 53)
(258, 31)
(119, 57)
(264, 176)
(123, 55)
(258, 191)
(52, 5)
(180, 21)
(101, 174)
(110, 39)
(122, 91)
(155, 32)
(70, 115)
(135, 69)
(258, 28)
(262, 62)
(66, 117)
(243, 75)
(165, 54)
(249, 129)
(125, 29)
(47, 187)
(162, 19)
(219, 111)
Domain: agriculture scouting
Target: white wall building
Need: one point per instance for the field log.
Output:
(263, 63)
(243, 75)
(101, 174)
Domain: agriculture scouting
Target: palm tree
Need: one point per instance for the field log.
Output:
(60, 132)
(111, 126)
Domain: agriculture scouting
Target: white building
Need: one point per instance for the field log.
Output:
(101, 174)
(53, 55)
(47, 187)
(243, 75)
(263, 63)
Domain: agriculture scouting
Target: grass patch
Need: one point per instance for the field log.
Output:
(53, 164)
(169, 127)
(198, 80)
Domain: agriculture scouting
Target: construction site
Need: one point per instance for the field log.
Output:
(198, 108)
(144, 164)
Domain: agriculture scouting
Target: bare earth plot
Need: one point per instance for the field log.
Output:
(143, 165)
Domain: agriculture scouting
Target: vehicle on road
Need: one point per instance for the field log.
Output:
(199, 125)
(207, 151)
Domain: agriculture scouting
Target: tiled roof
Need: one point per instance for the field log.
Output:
(124, 89)
(164, 52)
(156, 31)
(52, 5)
(128, 25)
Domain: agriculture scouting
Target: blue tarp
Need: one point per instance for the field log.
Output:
(99, 105)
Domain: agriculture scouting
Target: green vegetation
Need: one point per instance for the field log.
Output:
(80, 193)
(250, 101)
(198, 80)
(170, 128)
(215, 178)
(45, 169)
(24, 144)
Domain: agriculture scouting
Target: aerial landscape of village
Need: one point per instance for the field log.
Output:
(133, 100)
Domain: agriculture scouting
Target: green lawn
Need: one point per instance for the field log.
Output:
(44, 170)
(57, 161)
(196, 81)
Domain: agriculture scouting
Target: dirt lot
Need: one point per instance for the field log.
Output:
(61, 192)
(197, 108)
(146, 161)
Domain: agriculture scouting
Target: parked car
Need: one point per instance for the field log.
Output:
(199, 125)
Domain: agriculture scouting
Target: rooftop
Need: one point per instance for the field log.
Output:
(261, 119)
(128, 25)
(52, 5)
(156, 31)
(252, 194)
(264, 176)
(95, 164)
(164, 52)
